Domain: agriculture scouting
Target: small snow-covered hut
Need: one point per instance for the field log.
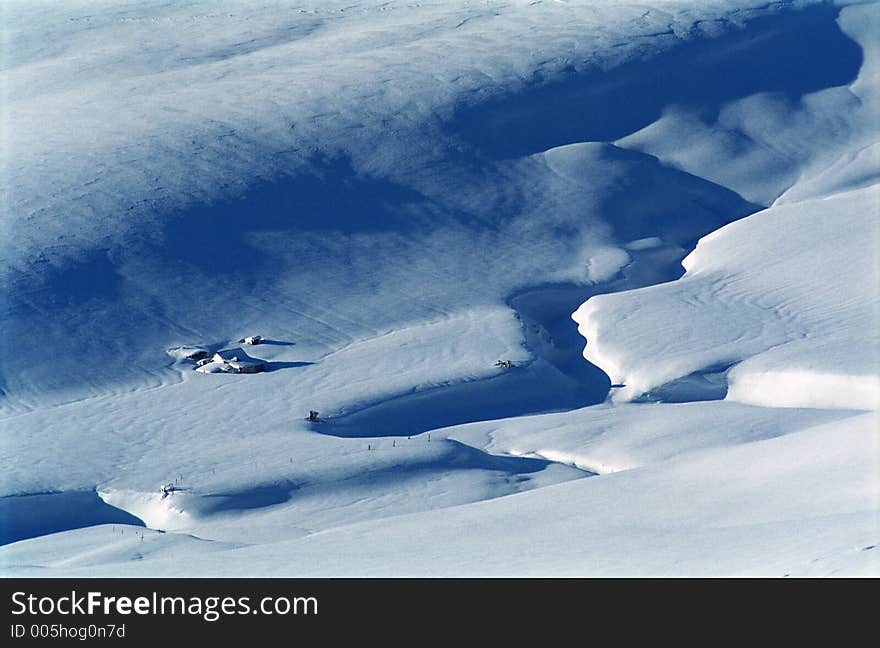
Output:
(239, 361)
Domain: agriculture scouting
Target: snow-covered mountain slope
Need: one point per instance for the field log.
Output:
(327, 172)
(787, 297)
(397, 196)
(714, 513)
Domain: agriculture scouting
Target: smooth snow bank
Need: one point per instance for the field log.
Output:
(803, 389)
(101, 545)
(613, 437)
(780, 308)
(793, 289)
(804, 504)
(326, 483)
(812, 373)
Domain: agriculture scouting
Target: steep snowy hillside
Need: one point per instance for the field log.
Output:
(786, 297)
(180, 174)
(786, 301)
(410, 202)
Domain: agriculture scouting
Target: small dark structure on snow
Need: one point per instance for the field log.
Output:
(313, 415)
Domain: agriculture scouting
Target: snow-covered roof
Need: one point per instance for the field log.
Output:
(230, 354)
(236, 358)
(214, 367)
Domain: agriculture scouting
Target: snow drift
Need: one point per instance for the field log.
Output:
(409, 201)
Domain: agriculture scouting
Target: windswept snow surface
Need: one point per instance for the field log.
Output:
(396, 196)
(787, 297)
(784, 302)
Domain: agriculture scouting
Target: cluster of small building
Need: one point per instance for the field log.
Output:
(230, 361)
(225, 361)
